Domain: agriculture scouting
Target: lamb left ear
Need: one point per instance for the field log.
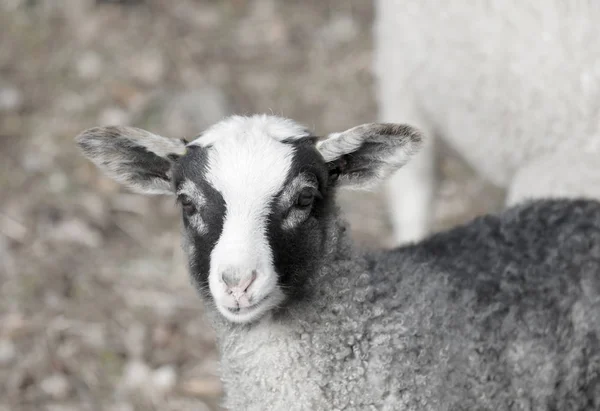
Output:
(363, 155)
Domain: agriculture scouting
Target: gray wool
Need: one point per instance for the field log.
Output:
(502, 313)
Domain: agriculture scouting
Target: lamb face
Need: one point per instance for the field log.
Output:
(256, 195)
(255, 200)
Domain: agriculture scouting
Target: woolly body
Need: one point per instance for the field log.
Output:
(500, 314)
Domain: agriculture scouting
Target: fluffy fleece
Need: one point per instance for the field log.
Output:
(513, 87)
(502, 313)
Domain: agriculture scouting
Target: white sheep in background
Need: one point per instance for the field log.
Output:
(500, 314)
(514, 87)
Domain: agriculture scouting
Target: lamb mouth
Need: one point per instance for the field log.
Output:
(244, 310)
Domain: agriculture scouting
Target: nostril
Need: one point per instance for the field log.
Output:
(229, 278)
(250, 281)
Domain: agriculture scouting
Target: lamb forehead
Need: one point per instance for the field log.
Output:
(250, 158)
(257, 127)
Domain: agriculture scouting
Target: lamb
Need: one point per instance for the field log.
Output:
(502, 313)
(513, 87)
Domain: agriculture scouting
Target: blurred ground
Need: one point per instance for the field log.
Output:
(96, 312)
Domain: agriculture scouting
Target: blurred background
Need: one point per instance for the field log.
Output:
(96, 310)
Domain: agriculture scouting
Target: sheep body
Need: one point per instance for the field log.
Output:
(502, 313)
(513, 87)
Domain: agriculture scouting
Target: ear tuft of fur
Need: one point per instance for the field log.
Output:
(134, 157)
(366, 154)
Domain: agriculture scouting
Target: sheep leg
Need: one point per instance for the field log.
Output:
(410, 193)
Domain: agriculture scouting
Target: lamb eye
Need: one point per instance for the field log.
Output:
(305, 198)
(187, 205)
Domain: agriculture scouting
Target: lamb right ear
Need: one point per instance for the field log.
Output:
(135, 158)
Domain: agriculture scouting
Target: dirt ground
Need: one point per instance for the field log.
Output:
(96, 310)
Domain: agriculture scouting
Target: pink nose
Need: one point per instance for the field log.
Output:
(237, 284)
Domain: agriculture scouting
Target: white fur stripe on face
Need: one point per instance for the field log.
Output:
(249, 168)
(248, 182)
(277, 128)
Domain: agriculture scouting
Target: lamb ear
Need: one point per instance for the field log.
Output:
(362, 156)
(135, 158)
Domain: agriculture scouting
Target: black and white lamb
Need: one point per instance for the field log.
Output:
(502, 313)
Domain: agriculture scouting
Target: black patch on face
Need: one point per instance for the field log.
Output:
(192, 167)
(297, 252)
